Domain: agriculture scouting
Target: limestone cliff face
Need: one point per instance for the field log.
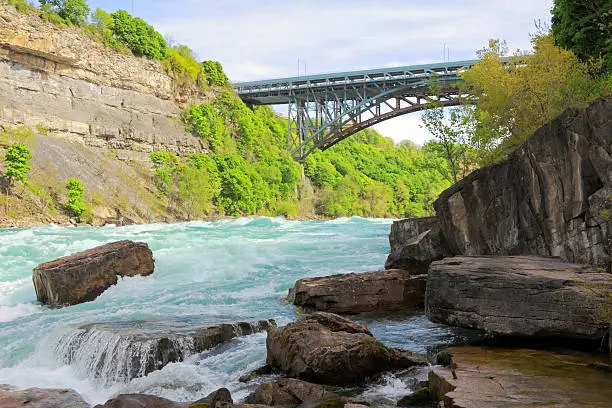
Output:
(547, 198)
(83, 90)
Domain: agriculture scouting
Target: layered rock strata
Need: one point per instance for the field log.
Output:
(520, 296)
(83, 276)
(360, 292)
(79, 89)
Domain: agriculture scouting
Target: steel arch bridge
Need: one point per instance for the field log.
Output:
(325, 109)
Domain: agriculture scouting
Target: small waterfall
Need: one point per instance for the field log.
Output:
(120, 351)
(116, 358)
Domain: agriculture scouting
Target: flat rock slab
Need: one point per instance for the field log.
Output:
(120, 351)
(83, 276)
(522, 296)
(41, 398)
(360, 292)
(328, 349)
(491, 378)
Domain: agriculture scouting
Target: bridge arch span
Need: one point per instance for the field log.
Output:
(325, 109)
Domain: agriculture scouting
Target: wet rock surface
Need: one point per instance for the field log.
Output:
(120, 351)
(83, 276)
(41, 398)
(329, 349)
(360, 292)
(490, 377)
(521, 296)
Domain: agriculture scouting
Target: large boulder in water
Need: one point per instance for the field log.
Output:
(120, 351)
(415, 244)
(83, 276)
(41, 398)
(360, 292)
(517, 296)
(329, 349)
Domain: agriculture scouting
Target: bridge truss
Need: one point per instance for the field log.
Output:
(325, 109)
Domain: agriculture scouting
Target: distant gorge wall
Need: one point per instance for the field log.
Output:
(84, 91)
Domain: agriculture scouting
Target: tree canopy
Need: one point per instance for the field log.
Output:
(584, 27)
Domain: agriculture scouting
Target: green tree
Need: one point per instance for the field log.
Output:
(518, 95)
(196, 192)
(585, 27)
(71, 11)
(76, 202)
(166, 165)
(214, 73)
(17, 163)
(138, 36)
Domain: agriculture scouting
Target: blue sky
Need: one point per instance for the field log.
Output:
(264, 39)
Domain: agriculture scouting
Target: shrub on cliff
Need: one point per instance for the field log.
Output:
(76, 203)
(17, 163)
(70, 11)
(214, 73)
(138, 36)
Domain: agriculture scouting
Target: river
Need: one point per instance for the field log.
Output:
(205, 272)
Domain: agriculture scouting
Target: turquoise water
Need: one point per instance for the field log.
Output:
(205, 272)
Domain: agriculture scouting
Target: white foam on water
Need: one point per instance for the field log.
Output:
(228, 270)
(10, 313)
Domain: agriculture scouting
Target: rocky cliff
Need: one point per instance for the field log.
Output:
(547, 198)
(82, 90)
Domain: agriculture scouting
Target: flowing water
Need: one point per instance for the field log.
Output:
(205, 273)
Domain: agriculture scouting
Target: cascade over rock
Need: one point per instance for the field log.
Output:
(83, 276)
(120, 351)
(547, 198)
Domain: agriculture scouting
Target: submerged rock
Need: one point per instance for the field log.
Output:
(491, 377)
(41, 398)
(522, 296)
(83, 276)
(290, 391)
(360, 292)
(329, 349)
(120, 351)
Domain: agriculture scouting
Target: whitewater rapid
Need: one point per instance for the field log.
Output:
(205, 272)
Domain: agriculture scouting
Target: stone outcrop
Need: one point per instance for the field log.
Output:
(489, 377)
(121, 351)
(519, 296)
(290, 391)
(41, 398)
(360, 292)
(547, 198)
(83, 276)
(416, 243)
(326, 348)
(84, 91)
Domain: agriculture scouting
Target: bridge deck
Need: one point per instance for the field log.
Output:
(281, 90)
